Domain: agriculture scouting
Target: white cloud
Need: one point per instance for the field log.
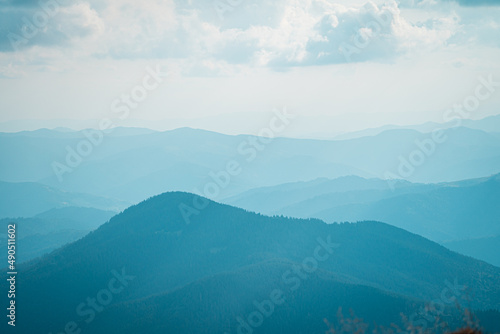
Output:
(337, 34)
(277, 34)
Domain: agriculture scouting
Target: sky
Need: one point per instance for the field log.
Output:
(225, 65)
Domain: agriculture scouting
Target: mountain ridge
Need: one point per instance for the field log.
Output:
(152, 241)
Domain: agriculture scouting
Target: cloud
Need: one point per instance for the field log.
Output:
(465, 3)
(473, 3)
(355, 34)
(221, 33)
(335, 34)
(53, 23)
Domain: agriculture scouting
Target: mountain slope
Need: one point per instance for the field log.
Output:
(228, 302)
(153, 243)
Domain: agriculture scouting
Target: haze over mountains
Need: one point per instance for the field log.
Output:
(352, 224)
(488, 124)
(130, 164)
(440, 212)
(26, 199)
(460, 215)
(44, 232)
(133, 164)
(322, 127)
(250, 167)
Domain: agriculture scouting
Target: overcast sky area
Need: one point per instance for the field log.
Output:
(337, 65)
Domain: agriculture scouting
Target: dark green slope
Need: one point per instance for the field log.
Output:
(153, 242)
(228, 302)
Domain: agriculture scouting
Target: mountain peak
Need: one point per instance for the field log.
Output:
(170, 210)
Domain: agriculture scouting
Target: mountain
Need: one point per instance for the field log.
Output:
(450, 212)
(487, 124)
(441, 212)
(210, 305)
(27, 199)
(135, 164)
(35, 245)
(54, 220)
(301, 199)
(41, 234)
(78, 218)
(178, 253)
(311, 126)
(486, 249)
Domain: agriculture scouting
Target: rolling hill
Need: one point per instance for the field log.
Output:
(154, 263)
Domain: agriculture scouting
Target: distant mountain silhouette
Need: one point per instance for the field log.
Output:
(27, 199)
(486, 249)
(302, 199)
(133, 164)
(210, 269)
(41, 234)
(449, 212)
(440, 212)
(489, 124)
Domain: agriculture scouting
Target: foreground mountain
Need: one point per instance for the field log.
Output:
(178, 253)
(241, 301)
